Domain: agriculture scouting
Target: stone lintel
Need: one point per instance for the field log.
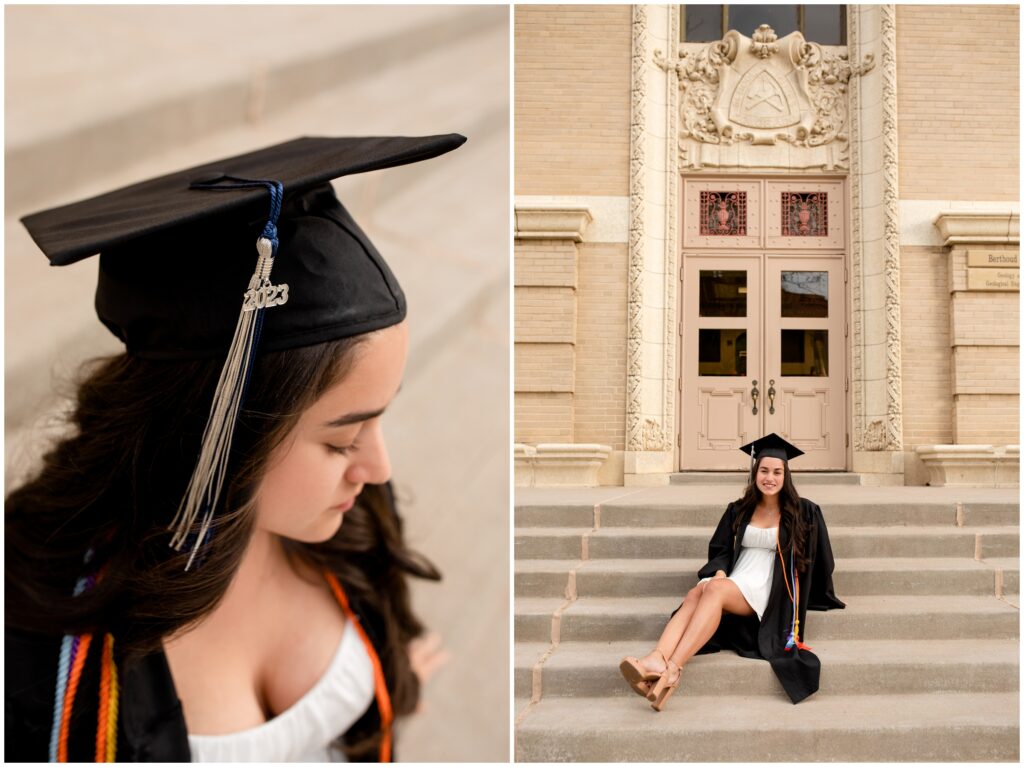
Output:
(552, 223)
(971, 465)
(969, 227)
(559, 464)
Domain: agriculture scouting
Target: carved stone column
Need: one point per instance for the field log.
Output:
(650, 375)
(876, 373)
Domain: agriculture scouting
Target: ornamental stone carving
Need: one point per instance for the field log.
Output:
(637, 189)
(761, 91)
(874, 436)
(654, 436)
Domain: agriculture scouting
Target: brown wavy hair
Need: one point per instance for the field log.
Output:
(113, 485)
(789, 509)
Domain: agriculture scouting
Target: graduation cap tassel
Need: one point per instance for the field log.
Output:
(204, 487)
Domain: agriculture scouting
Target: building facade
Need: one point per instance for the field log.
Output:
(721, 238)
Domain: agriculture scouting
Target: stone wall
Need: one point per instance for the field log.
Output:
(572, 99)
(959, 95)
(601, 345)
(985, 351)
(924, 288)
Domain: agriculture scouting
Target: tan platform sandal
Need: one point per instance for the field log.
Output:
(639, 678)
(662, 690)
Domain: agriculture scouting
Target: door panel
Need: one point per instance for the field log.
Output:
(722, 345)
(771, 324)
(805, 355)
(763, 332)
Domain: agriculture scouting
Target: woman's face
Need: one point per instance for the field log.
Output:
(336, 447)
(770, 474)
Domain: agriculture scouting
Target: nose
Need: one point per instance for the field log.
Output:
(371, 464)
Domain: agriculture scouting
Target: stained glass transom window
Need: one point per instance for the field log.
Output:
(822, 24)
(723, 214)
(805, 214)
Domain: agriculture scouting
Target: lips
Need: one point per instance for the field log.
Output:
(344, 506)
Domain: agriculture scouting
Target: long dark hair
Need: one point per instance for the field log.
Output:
(792, 519)
(113, 485)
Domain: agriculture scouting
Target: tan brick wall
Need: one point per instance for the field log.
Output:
(544, 367)
(545, 337)
(601, 344)
(927, 384)
(986, 370)
(987, 419)
(958, 90)
(543, 417)
(983, 318)
(572, 99)
(550, 263)
(545, 315)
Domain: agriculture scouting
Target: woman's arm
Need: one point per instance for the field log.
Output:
(822, 593)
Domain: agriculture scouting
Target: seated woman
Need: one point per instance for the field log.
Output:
(768, 561)
(209, 565)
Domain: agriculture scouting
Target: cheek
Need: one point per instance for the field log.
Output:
(300, 483)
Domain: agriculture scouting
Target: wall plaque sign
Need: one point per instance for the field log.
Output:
(993, 258)
(993, 279)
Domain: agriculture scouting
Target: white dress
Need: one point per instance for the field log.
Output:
(303, 732)
(755, 566)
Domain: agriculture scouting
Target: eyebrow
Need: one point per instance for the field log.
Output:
(345, 420)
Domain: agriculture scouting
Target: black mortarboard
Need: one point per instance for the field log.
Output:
(771, 445)
(186, 262)
(175, 259)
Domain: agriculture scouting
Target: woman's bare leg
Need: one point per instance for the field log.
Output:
(673, 631)
(720, 596)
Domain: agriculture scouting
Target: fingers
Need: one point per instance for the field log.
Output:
(426, 655)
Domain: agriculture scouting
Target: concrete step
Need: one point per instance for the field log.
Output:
(703, 505)
(1009, 569)
(836, 515)
(597, 619)
(858, 542)
(849, 667)
(853, 577)
(738, 479)
(707, 515)
(716, 728)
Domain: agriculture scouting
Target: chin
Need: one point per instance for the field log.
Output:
(326, 529)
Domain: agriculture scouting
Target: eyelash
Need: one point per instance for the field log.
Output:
(342, 450)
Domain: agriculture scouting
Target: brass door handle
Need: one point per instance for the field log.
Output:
(753, 395)
(771, 397)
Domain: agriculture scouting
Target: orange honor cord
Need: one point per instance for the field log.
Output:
(106, 725)
(794, 598)
(114, 700)
(379, 683)
(69, 700)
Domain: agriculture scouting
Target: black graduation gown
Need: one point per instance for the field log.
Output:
(151, 723)
(797, 670)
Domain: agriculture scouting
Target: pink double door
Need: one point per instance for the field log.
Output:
(763, 350)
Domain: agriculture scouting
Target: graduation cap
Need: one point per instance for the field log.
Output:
(771, 446)
(219, 259)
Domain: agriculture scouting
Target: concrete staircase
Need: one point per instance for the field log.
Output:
(922, 665)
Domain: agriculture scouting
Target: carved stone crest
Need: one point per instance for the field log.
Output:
(763, 91)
